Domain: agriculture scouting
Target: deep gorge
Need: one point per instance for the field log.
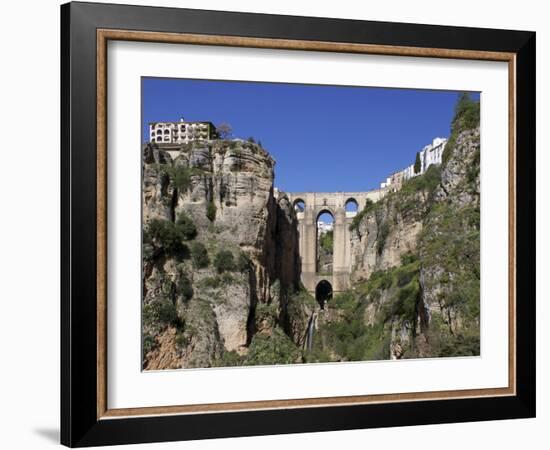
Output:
(222, 265)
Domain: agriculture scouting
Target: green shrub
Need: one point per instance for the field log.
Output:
(224, 261)
(405, 273)
(199, 255)
(318, 355)
(408, 297)
(166, 235)
(403, 276)
(345, 302)
(461, 345)
(186, 227)
(211, 282)
(148, 344)
(243, 263)
(432, 177)
(179, 176)
(169, 235)
(184, 287)
(229, 359)
(211, 211)
(408, 258)
(181, 340)
(160, 312)
(266, 314)
(381, 279)
(217, 281)
(426, 182)
(275, 349)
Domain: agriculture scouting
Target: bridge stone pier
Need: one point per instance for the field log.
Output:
(309, 206)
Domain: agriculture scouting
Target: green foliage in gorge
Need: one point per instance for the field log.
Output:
(211, 211)
(179, 176)
(224, 261)
(199, 255)
(326, 241)
(160, 312)
(276, 348)
(185, 227)
(169, 236)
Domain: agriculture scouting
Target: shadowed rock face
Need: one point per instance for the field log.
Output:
(225, 188)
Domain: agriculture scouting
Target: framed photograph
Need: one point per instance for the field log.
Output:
(276, 224)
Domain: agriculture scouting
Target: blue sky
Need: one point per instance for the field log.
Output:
(323, 138)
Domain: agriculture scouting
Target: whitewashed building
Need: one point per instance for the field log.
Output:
(181, 132)
(324, 227)
(430, 154)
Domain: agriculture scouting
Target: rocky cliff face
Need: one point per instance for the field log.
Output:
(449, 249)
(218, 247)
(386, 231)
(415, 275)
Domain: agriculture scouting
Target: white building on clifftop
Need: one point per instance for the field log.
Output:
(181, 132)
(430, 154)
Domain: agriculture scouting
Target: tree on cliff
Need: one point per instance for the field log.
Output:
(467, 116)
(466, 113)
(417, 163)
(224, 130)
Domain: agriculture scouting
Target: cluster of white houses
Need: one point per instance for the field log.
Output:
(181, 132)
(430, 154)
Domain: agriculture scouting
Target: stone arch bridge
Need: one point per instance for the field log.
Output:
(311, 206)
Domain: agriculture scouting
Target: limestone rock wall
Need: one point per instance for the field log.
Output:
(387, 232)
(225, 188)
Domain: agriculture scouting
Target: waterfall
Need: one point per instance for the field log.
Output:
(310, 329)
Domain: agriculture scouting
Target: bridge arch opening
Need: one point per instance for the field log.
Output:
(299, 205)
(325, 242)
(323, 293)
(352, 207)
